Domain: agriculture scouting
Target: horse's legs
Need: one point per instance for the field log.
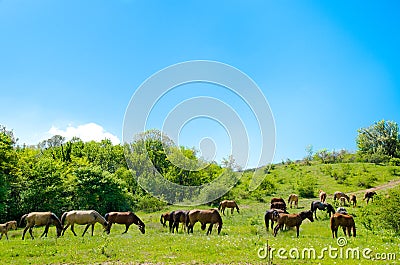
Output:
(65, 228)
(92, 229)
(23, 234)
(126, 228)
(223, 210)
(344, 230)
(46, 229)
(210, 229)
(297, 230)
(72, 229)
(86, 228)
(30, 232)
(276, 229)
(109, 226)
(232, 210)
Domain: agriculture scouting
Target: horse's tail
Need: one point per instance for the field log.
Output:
(63, 218)
(219, 206)
(106, 217)
(22, 219)
(162, 219)
(290, 196)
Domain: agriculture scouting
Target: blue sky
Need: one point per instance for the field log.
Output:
(326, 68)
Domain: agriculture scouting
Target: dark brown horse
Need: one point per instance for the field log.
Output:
(4, 228)
(278, 205)
(177, 217)
(41, 219)
(317, 205)
(165, 217)
(126, 218)
(345, 221)
(87, 218)
(291, 220)
(369, 195)
(272, 215)
(353, 200)
(228, 204)
(278, 200)
(204, 217)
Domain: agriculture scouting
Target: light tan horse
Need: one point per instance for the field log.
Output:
(87, 218)
(338, 195)
(4, 228)
(228, 204)
(293, 198)
(204, 217)
(322, 196)
(41, 219)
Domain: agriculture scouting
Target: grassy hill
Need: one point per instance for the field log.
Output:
(243, 236)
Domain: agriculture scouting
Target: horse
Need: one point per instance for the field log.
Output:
(345, 221)
(341, 210)
(204, 217)
(338, 194)
(87, 218)
(272, 215)
(291, 220)
(273, 200)
(177, 217)
(126, 218)
(321, 206)
(4, 228)
(293, 198)
(41, 219)
(228, 204)
(164, 218)
(278, 205)
(369, 195)
(353, 200)
(322, 196)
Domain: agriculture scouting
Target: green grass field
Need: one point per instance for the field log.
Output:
(242, 239)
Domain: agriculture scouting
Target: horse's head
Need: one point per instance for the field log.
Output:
(308, 215)
(59, 230)
(12, 225)
(107, 227)
(142, 228)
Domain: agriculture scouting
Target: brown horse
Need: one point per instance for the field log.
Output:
(291, 220)
(177, 217)
(369, 195)
(353, 200)
(165, 217)
(338, 195)
(278, 205)
(273, 200)
(126, 218)
(345, 221)
(317, 205)
(272, 215)
(204, 217)
(4, 228)
(322, 196)
(228, 204)
(293, 198)
(87, 218)
(41, 219)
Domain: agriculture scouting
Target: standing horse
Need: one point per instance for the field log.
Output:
(41, 219)
(338, 195)
(293, 198)
(369, 195)
(353, 200)
(228, 204)
(278, 205)
(165, 217)
(204, 217)
(272, 215)
(323, 207)
(126, 218)
(322, 196)
(4, 228)
(87, 218)
(345, 221)
(291, 220)
(178, 217)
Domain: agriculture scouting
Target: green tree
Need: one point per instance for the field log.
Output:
(381, 138)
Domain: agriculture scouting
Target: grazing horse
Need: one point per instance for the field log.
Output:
(87, 218)
(323, 207)
(278, 200)
(278, 205)
(345, 221)
(164, 218)
(322, 196)
(369, 195)
(204, 217)
(291, 220)
(126, 218)
(338, 195)
(353, 200)
(177, 217)
(293, 198)
(228, 204)
(41, 219)
(272, 215)
(4, 228)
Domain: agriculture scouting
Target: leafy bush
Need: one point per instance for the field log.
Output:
(306, 187)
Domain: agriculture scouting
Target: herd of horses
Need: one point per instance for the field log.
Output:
(188, 218)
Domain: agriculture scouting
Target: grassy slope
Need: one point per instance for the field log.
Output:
(242, 234)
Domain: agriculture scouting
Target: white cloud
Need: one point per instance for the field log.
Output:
(87, 132)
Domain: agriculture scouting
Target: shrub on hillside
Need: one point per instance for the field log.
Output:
(306, 187)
